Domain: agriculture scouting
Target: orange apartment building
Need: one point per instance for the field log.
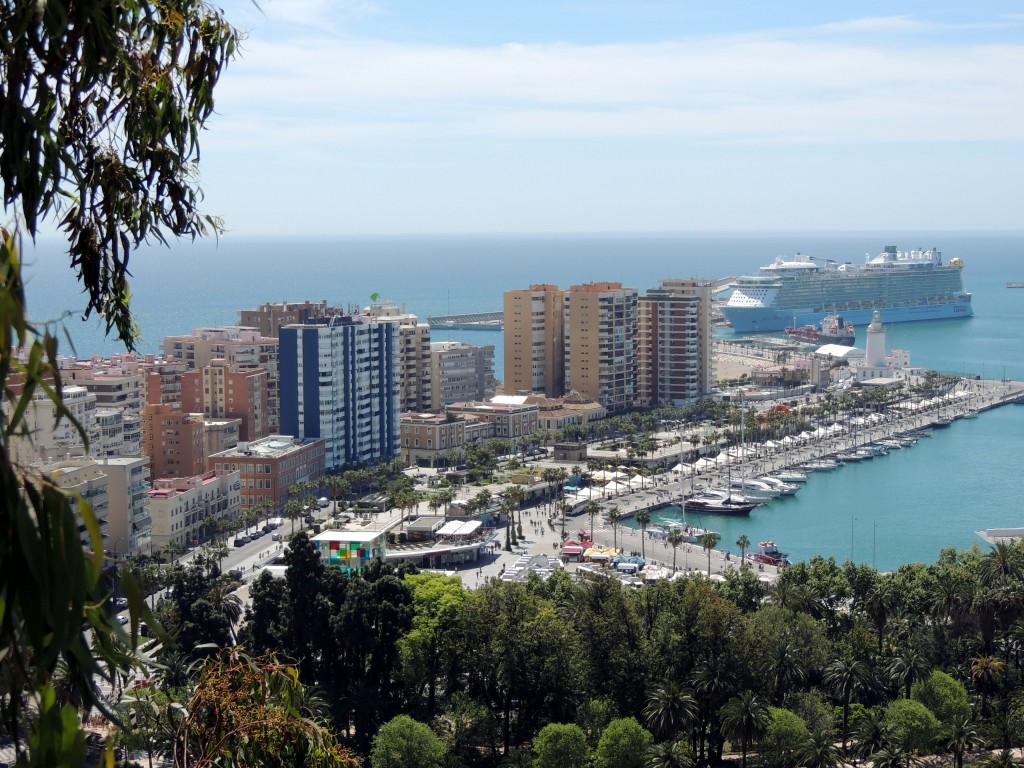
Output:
(535, 340)
(220, 390)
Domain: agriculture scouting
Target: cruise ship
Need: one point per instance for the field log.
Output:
(802, 290)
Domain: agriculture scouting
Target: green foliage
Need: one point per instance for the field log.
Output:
(406, 743)
(942, 695)
(913, 723)
(623, 744)
(783, 738)
(743, 589)
(561, 746)
(103, 108)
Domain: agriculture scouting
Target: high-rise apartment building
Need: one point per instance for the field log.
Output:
(173, 440)
(535, 340)
(460, 372)
(339, 384)
(238, 346)
(220, 390)
(130, 525)
(601, 343)
(675, 342)
(268, 318)
(413, 365)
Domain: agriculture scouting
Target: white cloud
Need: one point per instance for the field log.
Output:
(782, 88)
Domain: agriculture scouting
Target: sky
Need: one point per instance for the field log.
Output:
(475, 116)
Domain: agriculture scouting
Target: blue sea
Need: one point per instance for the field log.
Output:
(903, 507)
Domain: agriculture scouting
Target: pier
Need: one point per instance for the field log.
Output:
(472, 321)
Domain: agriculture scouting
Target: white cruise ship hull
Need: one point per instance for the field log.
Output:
(768, 319)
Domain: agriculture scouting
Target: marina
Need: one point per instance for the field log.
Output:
(471, 321)
(905, 505)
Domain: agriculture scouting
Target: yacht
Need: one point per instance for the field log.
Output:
(791, 476)
(755, 487)
(720, 502)
(784, 488)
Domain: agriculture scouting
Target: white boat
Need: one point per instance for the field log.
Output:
(821, 465)
(784, 488)
(754, 488)
(791, 476)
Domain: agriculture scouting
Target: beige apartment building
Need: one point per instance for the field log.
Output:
(220, 390)
(188, 510)
(535, 340)
(238, 346)
(460, 371)
(412, 362)
(268, 318)
(675, 360)
(601, 343)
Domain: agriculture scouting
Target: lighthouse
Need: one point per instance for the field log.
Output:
(874, 356)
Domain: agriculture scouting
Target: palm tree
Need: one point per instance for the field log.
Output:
(784, 666)
(745, 717)
(614, 516)
(669, 709)
(743, 542)
(960, 734)
(669, 755)
(675, 538)
(1002, 561)
(819, 751)
(845, 676)
(643, 519)
(293, 509)
(593, 509)
(909, 666)
(1004, 759)
(872, 733)
(709, 540)
(879, 604)
(986, 672)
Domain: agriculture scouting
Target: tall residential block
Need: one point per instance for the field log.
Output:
(413, 365)
(675, 361)
(339, 384)
(221, 390)
(173, 440)
(460, 372)
(535, 340)
(268, 318)
(130, 525)
(601, 343)
(243, 347)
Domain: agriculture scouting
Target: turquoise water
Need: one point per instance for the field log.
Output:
(902, 507)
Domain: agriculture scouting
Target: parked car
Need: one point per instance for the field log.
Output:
(120, 603)
(309, 519)
(277, 537)
(323, 501)
(241, 541)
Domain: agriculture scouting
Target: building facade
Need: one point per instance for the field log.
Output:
(675, 360)
(601, 343)
(238, 346)
(83, 476)
(220, 390)
(188, 510)
(339, 384)
(268, 318)
(130, 524)
(460, 372)
(173, 440)
(511, 415)
(267, 467)
(413, 359)
(535, 340)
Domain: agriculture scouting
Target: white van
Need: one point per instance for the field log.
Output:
(323, 501)
(275, 522)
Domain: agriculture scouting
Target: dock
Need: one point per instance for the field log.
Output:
(471, 321)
